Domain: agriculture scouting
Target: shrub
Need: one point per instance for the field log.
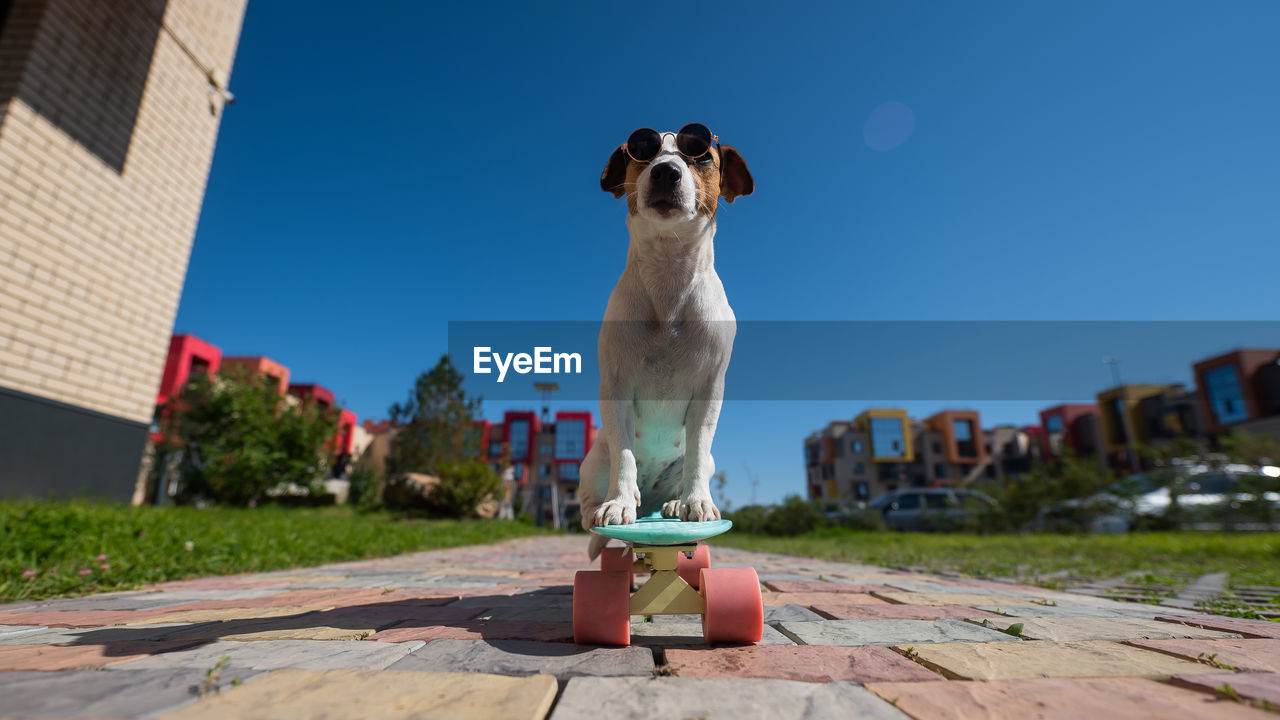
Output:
(237, 438)
(463, 485)
(749, 519)
(366, 486)
(794, 516)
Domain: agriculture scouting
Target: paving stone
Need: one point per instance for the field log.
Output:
(1074, 629)
(1041, 658)
(1057, 699)
(555, 613)
(479, 630)
(1247, 628)
(235, 613)
(348, 623)
(889, 632)
(78, 618)
(932, 586)
(805, 663)
(383, 694)
(820, 586)
(715, 698)
(14, 630)
(1073, 610)
(1257, 687)
(522, 657)
(306, 654)
(782, 613)
(136, 600)
(683, 630)
(970, 599)
(809, 598)
(96, 694)
(888, 611)
(92, 636)
(77, 657)
(1246, 654)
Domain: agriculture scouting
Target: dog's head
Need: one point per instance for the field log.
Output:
(671, 187)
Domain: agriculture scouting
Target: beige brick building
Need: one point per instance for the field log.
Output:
(108, 118)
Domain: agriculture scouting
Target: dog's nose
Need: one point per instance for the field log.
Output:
(665, 176)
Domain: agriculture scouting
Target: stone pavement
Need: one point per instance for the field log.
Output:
(486, 632)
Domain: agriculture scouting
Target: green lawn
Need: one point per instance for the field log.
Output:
(1252, 559)
(50, 549)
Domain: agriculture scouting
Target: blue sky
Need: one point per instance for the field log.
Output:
(388, 170)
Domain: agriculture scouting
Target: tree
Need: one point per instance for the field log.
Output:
(237, 438)
(435, 437)
(434, 422)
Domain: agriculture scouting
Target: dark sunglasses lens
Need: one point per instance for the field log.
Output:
(644, 144)
(694, 140)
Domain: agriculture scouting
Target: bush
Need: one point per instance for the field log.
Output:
(463, 486)
(794, 516)
(749, 519)
(237, 438)
(366, 486)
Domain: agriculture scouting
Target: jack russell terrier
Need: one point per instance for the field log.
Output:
(667, 333)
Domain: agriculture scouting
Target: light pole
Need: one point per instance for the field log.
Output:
(1126, 422)
(546, 389)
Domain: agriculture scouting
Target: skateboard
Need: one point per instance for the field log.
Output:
(681, 581)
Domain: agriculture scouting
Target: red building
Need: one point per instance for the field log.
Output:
(1069, 429)
(1238, 387)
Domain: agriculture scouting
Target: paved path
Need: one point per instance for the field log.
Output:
(485, 632)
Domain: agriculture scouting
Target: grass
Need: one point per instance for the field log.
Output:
(1251, 559)
(54, 549)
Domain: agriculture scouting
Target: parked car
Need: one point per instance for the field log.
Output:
(1185, 496)
(930, 508)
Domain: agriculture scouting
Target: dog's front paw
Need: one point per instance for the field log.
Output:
(698, 508)
(615, 512)
(671, 509)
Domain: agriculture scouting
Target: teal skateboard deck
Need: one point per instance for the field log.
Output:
(657, 530)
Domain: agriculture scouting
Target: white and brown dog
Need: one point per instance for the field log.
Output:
(667, 334)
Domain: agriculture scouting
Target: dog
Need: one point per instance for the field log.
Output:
(667, 333)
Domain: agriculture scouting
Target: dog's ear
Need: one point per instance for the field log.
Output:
(735, 178)
(614, 178)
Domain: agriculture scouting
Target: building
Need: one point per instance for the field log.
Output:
(1239, 390)
(1071, 429)
(1124, 427)
(883, 449)
(543, 459)
(109, 112)
(189, 355)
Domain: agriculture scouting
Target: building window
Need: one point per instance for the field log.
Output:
(887, 438)
(519, 438)
(857, 446)
(812, 453)
(568, 471)
(1226, 399)
(939, 470)
(569, 438)
(545, 470)
(963, 432)
(859, 468)
(861, 491)
(495, 449)
(1054, 432)
(544, 449)
(1115, 413)
(937, 448)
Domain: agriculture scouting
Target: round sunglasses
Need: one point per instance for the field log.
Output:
(693, 141)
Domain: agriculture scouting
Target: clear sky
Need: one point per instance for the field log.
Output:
(390, 167)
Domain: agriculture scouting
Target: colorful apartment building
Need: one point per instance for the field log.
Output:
(109, 112)
(542, 459)
(1070, 429)
(883, 449)
(1239, 390)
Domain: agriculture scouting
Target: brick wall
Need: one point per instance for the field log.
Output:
(107, 130)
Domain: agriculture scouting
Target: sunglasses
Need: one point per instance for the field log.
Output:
(693, 141)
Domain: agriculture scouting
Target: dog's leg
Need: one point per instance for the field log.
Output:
(593, 482)
(619, 508)
(699, 429)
